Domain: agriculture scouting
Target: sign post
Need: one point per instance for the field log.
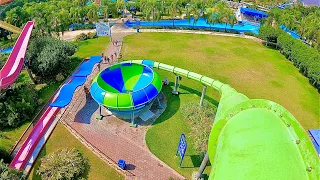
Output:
(182, 148)
(103, 29)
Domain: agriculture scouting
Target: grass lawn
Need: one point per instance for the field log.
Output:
(61, 138)
(92, 47)
(248, 66)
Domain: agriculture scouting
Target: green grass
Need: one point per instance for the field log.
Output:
(61, 138)
(92, 47)
(248, 66)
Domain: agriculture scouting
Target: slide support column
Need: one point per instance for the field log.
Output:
(99, 117)
(203, 95)
(202, 166)
(176, 83)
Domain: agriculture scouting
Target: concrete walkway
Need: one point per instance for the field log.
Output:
(113, 137)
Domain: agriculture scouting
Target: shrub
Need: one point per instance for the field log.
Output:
(81, 37)
(304, 57)
(18, 105)
(91, 35)
(59, 77)
(47, 57)
(6, 173)
(201, 120)
(63, 164)
(3, 59)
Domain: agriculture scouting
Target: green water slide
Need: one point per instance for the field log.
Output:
(253, 138)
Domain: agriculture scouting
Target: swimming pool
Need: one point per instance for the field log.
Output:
(200, 24)
(6, 51)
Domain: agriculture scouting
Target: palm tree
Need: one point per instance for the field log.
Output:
(174, 9)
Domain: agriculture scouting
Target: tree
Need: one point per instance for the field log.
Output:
(63, 164)
(47, 57)
(174, 9)
(18, 105)
(92, 12)
(6, 173)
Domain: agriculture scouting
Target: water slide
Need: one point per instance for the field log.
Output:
(11, 69)
(253, 138)
(32, 146)
(10, 27)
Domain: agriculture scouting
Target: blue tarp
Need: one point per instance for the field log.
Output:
(200, 24)
(253, 12)
(315, 133)
(76, 80)
(294, 34)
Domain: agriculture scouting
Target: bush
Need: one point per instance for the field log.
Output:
(91, 35)
(47, 57)
(3, 59)
(304, 57)
(63, 164)
(6, 173)
(18, 105)
(201, 120)
(81, 37)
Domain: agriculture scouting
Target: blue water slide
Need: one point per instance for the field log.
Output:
(67, 91)
(76, 80)
(86, 67)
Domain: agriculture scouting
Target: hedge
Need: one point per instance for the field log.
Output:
(304, 57)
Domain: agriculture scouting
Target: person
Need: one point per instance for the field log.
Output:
(105, 58)
(108, 59)
(111, 57)
(115, 54)
(120, 55)
(102, 55)
(165, 81)
(86, 90)
(98, 66)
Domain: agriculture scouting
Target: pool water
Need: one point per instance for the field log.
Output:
(200, 24)
(6, 51)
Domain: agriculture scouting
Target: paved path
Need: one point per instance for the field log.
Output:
(112, 136)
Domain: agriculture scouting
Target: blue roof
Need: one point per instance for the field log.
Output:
(253, 12)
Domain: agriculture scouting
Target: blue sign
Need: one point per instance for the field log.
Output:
(182, 148)
(103, 29)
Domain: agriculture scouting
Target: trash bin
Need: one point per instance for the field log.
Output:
(122, 164)
(138, 30)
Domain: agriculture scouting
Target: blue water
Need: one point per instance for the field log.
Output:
(6, 51)
(201, 24)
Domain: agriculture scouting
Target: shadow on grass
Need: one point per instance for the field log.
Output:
(37, 164)
(198, 93)
(85, 113)
(173, 104)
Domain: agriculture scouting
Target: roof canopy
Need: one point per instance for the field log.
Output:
(253, 12)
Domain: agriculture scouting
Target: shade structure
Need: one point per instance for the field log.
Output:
(126, 88)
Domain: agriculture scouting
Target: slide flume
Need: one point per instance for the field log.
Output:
(32, 146)
(11, 69)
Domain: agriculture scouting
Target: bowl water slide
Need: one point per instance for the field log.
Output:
(11, 69)
(31, 147)
(126, 89)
